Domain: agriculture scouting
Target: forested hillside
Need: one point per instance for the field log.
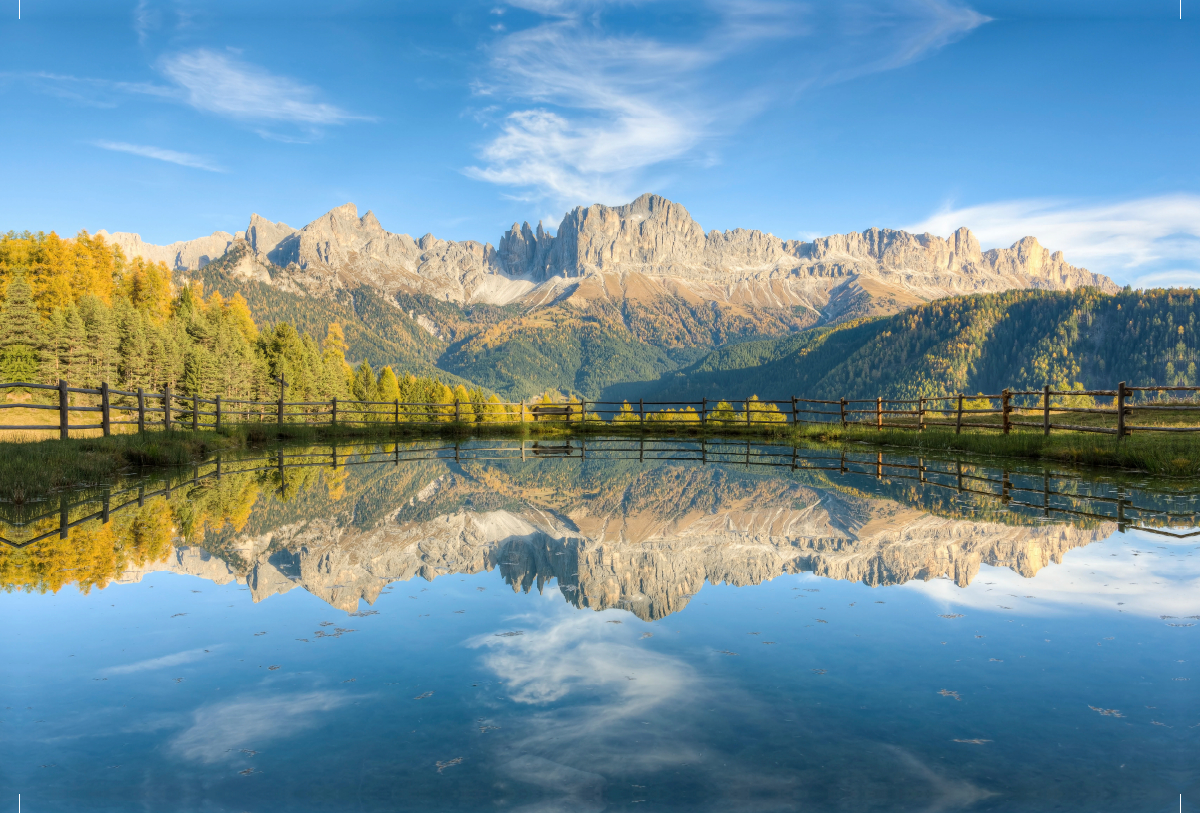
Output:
(76, 309)
(374, 330)
(1018, 339)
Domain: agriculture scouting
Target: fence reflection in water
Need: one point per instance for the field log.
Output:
(1052, 494)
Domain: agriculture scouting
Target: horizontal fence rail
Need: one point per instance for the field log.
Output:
(1047, 494)
(1129, 409)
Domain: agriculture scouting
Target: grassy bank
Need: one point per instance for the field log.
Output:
(32, 470)
(1172, 455)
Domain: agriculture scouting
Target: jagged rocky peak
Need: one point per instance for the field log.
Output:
(650, 236)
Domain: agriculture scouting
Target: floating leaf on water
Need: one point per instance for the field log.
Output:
(948, 693)
(272, 668)
(647, 634)
(441, 766)
(820, 671)
(612, 622)
(725, 652)
(951, 615)
(1106, 712)
(973, 742)
(423, 696)
(509, 634)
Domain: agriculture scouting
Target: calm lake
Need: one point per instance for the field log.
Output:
(626, 626)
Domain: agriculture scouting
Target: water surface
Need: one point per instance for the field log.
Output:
(618, 627)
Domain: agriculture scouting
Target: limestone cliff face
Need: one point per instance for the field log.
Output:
(648, 249)
(647, 545)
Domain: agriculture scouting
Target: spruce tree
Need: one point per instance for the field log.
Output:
(22, 335)
(133, 347)
(102, 341)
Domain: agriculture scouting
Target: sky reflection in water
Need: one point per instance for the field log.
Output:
(588, 635)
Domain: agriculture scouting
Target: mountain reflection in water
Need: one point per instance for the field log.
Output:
(715, 627)
(633, 525)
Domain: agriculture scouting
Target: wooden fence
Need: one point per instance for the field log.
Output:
(1052, 495)
(1161, 408)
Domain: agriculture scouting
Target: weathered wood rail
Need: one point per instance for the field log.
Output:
(1055, 411)
(1047, 493)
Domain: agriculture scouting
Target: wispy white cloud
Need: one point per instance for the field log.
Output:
(175, 659)
(184, 159)
(219, 83)
(588, 110)
(218, 730)
(1145, 242)
(1092, 579)
(145, 19)
(212, 82)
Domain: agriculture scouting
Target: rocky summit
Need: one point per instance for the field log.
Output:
(648, 250)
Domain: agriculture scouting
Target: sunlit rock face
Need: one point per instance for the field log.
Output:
(646, 540)
(649, 250)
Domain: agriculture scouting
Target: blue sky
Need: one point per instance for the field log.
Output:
(1072, 121)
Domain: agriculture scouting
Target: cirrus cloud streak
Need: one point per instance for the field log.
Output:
(183, 159)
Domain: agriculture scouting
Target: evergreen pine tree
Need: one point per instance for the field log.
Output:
(133, 349)
(72, 353)
(102, 341)
(22, 336)
(51, 366)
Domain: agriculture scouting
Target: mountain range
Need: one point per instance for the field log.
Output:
(615, 297)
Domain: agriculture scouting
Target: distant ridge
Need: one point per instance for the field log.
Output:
(648, 249)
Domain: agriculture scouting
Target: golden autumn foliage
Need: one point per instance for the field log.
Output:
(93, 554)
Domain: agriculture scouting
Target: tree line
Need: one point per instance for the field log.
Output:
(78, 310)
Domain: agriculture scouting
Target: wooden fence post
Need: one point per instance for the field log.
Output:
(879, 414)
(167, 407)
(141, 411)
(704, 413)
(1046, 409)
(218, 426)
(843, 408)
(1005, 407)
(195, 412)
(958, 422)
(397, 421)
(457, 413)
(105, 411)
(64, 411)
(920, 414)
(1121, 410)
(795, 411)
(282, 386)
(642, 412)
(333, 412)
(747, 407)
(522, 424)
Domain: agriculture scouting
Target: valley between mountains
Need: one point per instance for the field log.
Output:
(620, 301)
